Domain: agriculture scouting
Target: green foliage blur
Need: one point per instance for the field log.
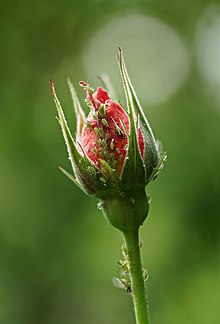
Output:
(57, 253)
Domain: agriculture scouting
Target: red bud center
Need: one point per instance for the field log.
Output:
(104, 136)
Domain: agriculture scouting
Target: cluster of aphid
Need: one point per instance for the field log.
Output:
(110, 141)
(124, 282)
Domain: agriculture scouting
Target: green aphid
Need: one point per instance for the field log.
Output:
(115, 163)
(96, 130)
(94, 150)
(112, 144)
(106, 155)
(106, 167)
(102, 109)
(89, 103)
(121, 157)
(117, 150)
(107, 170)
(91, 169)
(97, 143)
(90, 89)
(89, 125)
(95, 117)
(103, 169)
(104, 122)
(102, 180)
(112, 157)
(104, 144)
(100, 131)
(126, 147)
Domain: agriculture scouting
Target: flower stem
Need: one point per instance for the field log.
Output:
(136, 276)
(127, 213)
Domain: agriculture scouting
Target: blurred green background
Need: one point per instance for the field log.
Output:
(57, 253)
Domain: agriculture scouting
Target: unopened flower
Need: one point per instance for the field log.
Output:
(104, 136)
(114, 151)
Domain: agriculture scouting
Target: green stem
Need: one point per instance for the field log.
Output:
(127, 213)
(136, 275)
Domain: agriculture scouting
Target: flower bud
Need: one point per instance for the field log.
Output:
(104, 136)
(114, 152)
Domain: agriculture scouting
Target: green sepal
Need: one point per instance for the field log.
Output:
(80, 115)
(110, 173)
(134, 164)
(70, 176)
(89, 178)
(158, 167)
(151, 154)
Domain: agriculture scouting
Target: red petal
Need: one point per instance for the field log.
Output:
(102, 95)
(141, 142)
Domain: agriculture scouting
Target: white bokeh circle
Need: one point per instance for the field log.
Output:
(156, 57)
(208, 45)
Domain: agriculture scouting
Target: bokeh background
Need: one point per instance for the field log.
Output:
(57, 253)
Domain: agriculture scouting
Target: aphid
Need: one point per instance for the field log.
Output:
(104, 122)
(102, 180)
(122, 284)
(118, 129)
(89, 125)
(112, 144)
(94, 150)
(92, 170)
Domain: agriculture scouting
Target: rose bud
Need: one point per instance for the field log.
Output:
(115, 153)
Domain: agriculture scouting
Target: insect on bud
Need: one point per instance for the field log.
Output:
(114, 152)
